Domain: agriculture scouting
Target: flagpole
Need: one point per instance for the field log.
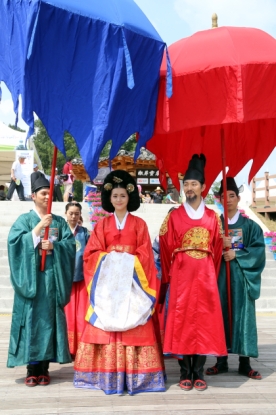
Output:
(226, 233)
(49, 207)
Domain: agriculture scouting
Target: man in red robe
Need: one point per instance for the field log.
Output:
(191, 249)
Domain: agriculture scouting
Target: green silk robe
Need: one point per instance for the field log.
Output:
(246, 271)
(38, 329)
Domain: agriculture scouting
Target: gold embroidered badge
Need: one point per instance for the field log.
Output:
(196, 240)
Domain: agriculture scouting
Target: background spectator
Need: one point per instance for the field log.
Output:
(16, 179)
(157, 195)
(147, 198)
(168, 198)
(2, 193)
(68, 184)
(140, 192)
(57, 188)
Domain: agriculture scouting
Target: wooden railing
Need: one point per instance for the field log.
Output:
(267, 199)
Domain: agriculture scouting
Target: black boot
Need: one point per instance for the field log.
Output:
(185, 373)
(246, 370)
(220, 367)
(43, 378)
(32, 374)
(198, 368)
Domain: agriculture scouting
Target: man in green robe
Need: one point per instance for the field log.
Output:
(38, 330)
(247, 261)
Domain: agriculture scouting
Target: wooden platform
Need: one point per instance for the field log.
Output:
(227, 394)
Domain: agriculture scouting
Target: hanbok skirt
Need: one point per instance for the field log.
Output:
(115, 368)
(75, 315)
(120, 348)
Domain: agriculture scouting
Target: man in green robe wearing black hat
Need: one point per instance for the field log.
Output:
(247, 261)
(38, 330)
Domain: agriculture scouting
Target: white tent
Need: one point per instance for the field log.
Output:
(10, 137)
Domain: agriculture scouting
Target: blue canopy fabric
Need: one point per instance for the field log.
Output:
(87, 67)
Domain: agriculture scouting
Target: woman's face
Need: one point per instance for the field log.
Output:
(73, 215)
(119, 199)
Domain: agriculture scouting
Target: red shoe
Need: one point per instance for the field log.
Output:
(31, 378)
(200, 385)
(44, 379)
(252, 374)
(186, 384)
(31, 381)
(218, 368)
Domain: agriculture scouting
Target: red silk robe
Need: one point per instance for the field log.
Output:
(191, 253)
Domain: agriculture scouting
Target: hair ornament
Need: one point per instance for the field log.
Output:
(108, 186)
(117, 179)
(130, 187)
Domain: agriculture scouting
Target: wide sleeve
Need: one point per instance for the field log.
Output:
(144, 251)
(166, 242)
(217, 244)
(64, 262)
(251, 259)
(23, 258)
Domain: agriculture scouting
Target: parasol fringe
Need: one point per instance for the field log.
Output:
(30, 46)
(169, 81)
(129, 71)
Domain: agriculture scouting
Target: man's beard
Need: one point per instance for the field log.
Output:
(191, 198)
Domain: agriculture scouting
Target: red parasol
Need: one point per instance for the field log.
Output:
(223, 105)
(221, 77)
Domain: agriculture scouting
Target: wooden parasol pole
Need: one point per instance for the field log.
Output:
(49, 207)
(227, 264)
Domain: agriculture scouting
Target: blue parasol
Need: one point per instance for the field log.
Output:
(87, 67)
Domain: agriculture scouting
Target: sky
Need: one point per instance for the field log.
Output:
(175, 19)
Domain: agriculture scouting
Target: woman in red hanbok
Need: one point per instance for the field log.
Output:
(120, 346)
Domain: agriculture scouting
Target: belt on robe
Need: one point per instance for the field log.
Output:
(130, 249)
(192, 248)
(48, 252)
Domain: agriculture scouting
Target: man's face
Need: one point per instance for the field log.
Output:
(193, 190)
(41, 198)
(35, 168)
(232, 200)
(21, 160)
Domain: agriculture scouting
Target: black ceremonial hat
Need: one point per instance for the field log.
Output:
(195, 169)
(38, 181)
(231, 185)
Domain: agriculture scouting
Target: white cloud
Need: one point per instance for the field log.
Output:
(248, 13)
